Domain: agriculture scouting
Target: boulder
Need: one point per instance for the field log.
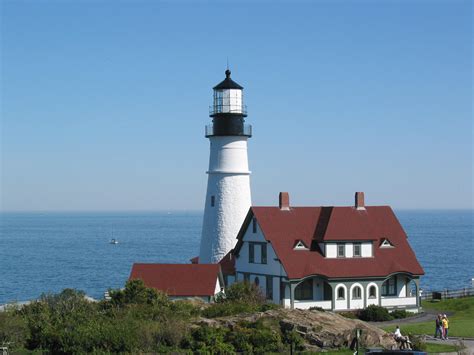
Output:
(320, 330)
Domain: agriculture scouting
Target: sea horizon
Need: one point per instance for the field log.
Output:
(49, 251)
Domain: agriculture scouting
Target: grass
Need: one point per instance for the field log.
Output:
(440, 348)
(338, 352)
(461, 324)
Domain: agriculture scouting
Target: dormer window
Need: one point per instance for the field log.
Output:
(357, 250)
(386, 243)
(299, 245)
(341, 250)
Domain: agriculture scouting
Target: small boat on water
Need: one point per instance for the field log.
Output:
(113, 241)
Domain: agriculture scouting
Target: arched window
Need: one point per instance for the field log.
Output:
(372, 292)
(356, 293)
(341, 293)
(257, 281)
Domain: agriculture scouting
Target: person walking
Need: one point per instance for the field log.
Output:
(445, 323)
(439, 327)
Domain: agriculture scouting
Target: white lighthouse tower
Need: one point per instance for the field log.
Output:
(228, 187)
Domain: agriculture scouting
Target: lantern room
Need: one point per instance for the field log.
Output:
(228, 98)
(228, 111)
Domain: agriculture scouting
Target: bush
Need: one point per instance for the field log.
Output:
(207, 339)
(400, 314)
(13, 330)
(136, 292)
(268, 307)
(228, 309)
(242, 292)
(375, 313)
(417, 342)
(319, 309)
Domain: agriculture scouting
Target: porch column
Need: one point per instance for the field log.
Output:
(292, 295)
(417, 283)
(333, 302)
(380, 286)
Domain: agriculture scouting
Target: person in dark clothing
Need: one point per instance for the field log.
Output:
(439, 327)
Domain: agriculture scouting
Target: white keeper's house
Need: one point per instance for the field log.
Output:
(336, 258)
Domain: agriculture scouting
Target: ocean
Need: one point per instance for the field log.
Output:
(47, 252)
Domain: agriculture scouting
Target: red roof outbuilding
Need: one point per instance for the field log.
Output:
(182, 280)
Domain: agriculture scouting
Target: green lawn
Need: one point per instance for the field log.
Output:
(440, 348)
(461, 324)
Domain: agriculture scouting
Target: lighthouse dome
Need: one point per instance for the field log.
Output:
(228, 98)
(227, 83)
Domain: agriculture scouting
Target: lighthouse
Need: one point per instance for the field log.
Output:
(228, 186)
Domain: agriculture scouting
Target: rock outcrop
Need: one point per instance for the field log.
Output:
(320, 330)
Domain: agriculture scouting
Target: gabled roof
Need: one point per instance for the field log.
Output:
(179, 279)
(227, 263)
(314, 225)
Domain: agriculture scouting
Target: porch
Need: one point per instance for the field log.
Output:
(307, 293)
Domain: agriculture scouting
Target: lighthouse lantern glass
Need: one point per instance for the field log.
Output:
(228, 101)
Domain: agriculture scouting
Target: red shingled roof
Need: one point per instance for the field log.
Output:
(313, 225)
(179, 279)
(227, 263)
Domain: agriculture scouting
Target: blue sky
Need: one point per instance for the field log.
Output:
(104, 103)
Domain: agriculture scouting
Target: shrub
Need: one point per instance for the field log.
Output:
(400, 313)
(136, 292)
(268, 306)
(207, 339)
(13, 329)
(242, 292)
(260, 337)
(294, 339)
(319, 309)
(228, 309)
(417, 342)
(375, 313)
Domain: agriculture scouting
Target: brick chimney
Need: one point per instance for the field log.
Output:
(359, 201)
(284, 200)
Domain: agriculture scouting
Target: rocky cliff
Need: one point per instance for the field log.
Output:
(320, 330)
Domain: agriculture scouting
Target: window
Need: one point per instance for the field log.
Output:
(213, 201)
(389, 287)
(254, 225)
(357, 249)
(356, 293)
(386, 244)
(269, 287)
(251, 253)
(304, 291)
(341, 250)
(257, 281)
(341, 293)
(262, 248)
(300, 246)
(372, 292)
